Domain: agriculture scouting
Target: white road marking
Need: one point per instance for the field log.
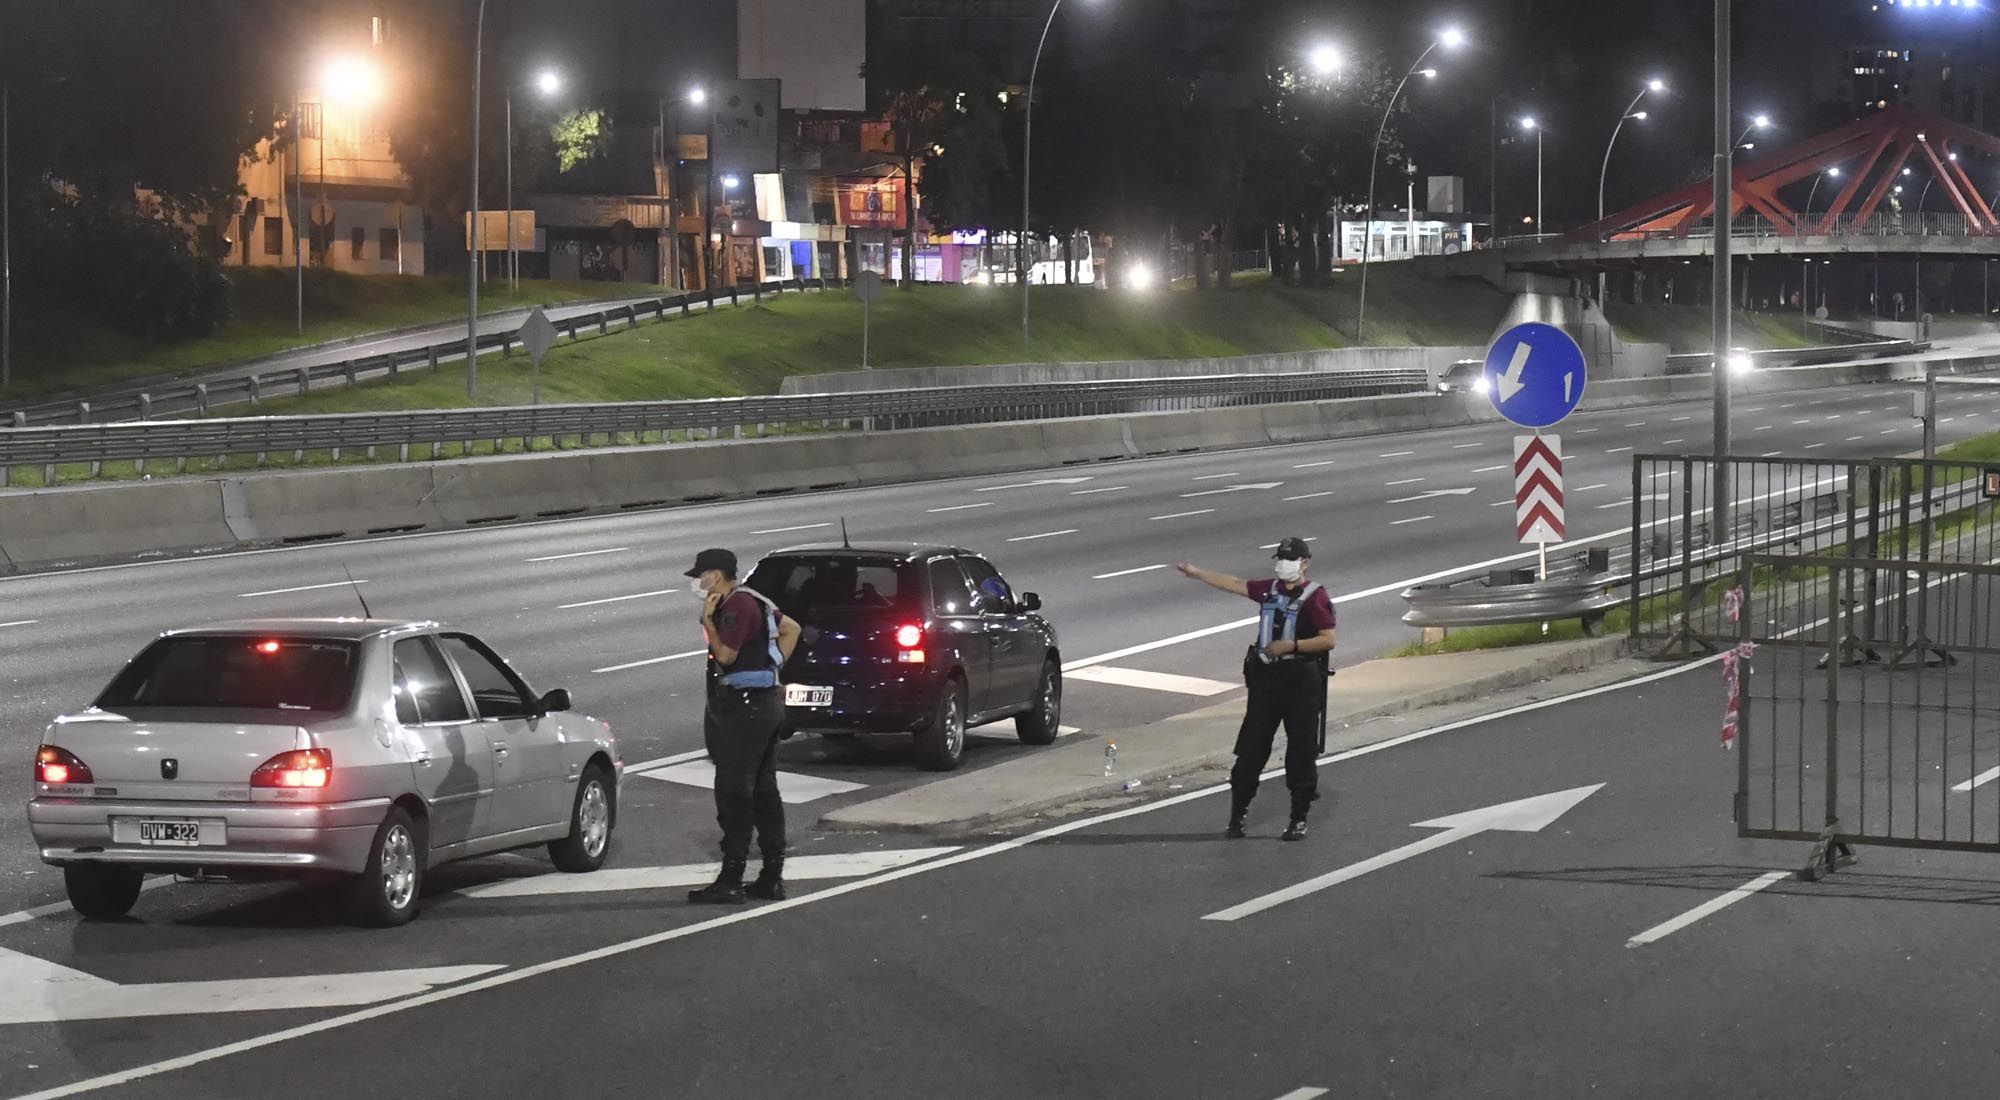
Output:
(1314, 465)
(1671, 442)
(54, 907)
(1105, 489)
(1466, 446)
(653, 661)
(616, 879)
(1891, 431)
(1412, 519)
(1215, 477)
(1854, 439)
(580, 554)
(1980, 780)
(1067, 731)
(1588, 488)
(1789, 405)
(1636, 424)
(1184, 515)
(1617, 450)
(1311, 496)
(1128, 572)
(1490, 469)
(1814, 446)
(301, 588)
(960, 507)
(1152, 681)
(789, 530)
(1405, 481)
(1682, 419)
(19, 622)
(766, 912)
(1833, 416)
(1503, 504)
(1946, 419)
(1767, 427)
(1626, 503)
(793, 789)
(649, 765)
(620, 599)
(1397, 454)
(1043, 535)
(1708, 908)
(1795, 423)
(1309, 1093)
(1586, 431)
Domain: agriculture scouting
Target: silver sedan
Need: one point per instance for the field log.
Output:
(360, 748)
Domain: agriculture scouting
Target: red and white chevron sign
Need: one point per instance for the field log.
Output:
(1538, 488)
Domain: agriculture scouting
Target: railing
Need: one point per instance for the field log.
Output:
(181, 440)
(200, 398)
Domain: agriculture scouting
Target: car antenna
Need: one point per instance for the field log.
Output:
(356, 585)
(844, 544)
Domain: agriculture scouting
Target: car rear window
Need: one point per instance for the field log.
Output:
(237, 672)
(811, 588)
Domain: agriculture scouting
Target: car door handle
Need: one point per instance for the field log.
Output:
(500, 749)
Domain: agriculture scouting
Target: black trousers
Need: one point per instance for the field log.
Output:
(1288, 693)
(741, 728)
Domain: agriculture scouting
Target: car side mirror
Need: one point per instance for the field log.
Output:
(1030, 602)
(556, 700)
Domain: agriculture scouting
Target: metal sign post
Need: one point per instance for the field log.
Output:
(538, 335)
(867, 287)
(1538, 493)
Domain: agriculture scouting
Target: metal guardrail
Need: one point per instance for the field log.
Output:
(200, 398)
(1463, 372)
(219, 437)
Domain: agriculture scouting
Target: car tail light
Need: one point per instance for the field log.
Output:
(298, 768)
(909, 642)
(268, 647)
(59, 766)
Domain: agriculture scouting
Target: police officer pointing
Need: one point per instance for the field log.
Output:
(1286, 670)
(748, 643)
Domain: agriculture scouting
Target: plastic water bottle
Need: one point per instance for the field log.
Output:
(1110, 758)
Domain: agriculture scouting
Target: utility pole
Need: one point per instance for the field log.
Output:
(472, 228)
(6, 238)
(1720, 296)
(298, 208)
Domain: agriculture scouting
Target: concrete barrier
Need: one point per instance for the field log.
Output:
(50, 528)
(1431, 360)
(41, 528)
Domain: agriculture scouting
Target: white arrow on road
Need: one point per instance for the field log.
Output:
(1235, 489)
(1510, 381)
(1527, 815)
(1435, 493)
(42, 992)
(1040, 481)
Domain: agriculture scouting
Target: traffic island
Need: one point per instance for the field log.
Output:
(1168, 756)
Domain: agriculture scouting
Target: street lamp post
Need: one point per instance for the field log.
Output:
(472, 230)
(1631, 112)
(1724, 199)
(298, 208)
(1021, 255)
(548, 83)
(1450, 38)
(6, 239)
(1531, 123)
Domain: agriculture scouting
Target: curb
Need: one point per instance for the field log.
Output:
(1538, 665)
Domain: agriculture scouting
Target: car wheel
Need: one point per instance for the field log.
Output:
(941, 744)
(590, 821)
(1041, 725)
(102, 891)
(386, 893)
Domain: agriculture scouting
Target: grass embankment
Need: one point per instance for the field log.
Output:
(1686, 328)
(1976, 453)
(58, 349)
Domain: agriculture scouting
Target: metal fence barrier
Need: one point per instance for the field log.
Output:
(180, 440)
(1842, 743)
(198, 398)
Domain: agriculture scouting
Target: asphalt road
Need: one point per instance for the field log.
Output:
(1614, 938)
(599, 606)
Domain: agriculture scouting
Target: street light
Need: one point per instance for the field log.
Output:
(472, 229)
(731, 181)
(1833, 172)
(1021, 257)
(352, 81)
(548, 82)
(1450, 38)
(1530, 123)
(1325, 58)
(1631, 111)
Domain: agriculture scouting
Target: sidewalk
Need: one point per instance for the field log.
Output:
(1073, 770)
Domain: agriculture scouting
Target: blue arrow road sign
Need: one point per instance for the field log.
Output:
(1535, 375)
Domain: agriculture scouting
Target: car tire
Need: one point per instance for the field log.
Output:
(386, 894)
(941, 743)
(1041, 724)
(102, 891)
(591, 817)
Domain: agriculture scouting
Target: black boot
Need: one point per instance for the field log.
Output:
(1294, 831)
(770, 884)
(1235, 829)
(727, 889)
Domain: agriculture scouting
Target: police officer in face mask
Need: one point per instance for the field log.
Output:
(1286, 670)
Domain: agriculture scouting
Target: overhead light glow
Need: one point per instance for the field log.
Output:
(548, 83)
(1140, 277)
(1656, 85)
(1325, 59)
(1452, 38)
(1529, 123)
(697, 96)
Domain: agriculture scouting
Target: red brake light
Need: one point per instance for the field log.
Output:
(298, 768)
(267, 647)
(59, 766)
(909, 635)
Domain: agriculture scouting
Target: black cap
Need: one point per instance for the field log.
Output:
(713, 559)
(1293, 549)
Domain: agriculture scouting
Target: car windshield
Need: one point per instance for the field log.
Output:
(810, 588)
(237, 672)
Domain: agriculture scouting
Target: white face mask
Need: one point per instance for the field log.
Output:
(699, 586)
(1289, 571)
